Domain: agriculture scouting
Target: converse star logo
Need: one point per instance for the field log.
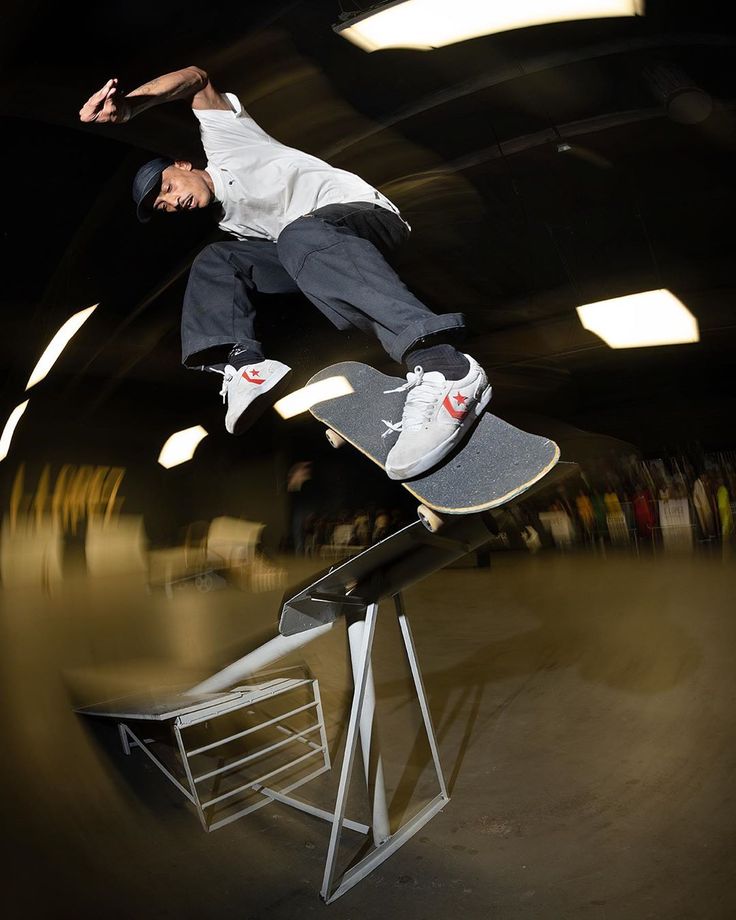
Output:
(253, 376)
(461, 409)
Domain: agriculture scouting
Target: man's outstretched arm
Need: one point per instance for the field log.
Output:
(109, 106)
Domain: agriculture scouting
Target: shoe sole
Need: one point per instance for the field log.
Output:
(439, 453)
(248, 417)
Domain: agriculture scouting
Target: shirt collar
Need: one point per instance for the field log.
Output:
(215, 173)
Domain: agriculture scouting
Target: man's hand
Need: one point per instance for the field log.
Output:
(109, 106)
(106, 106)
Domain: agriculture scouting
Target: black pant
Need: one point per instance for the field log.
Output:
(335, 257)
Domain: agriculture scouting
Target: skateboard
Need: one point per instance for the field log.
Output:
(492, 465)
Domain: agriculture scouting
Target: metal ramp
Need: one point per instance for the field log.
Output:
(352, 590)
(270, 746)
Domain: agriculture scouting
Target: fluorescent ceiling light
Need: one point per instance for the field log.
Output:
(58, 344)
(426, 24)
(180, 446)
(638, 320)
(7, 436)
(301, 400)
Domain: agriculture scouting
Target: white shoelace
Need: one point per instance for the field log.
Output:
(419, 405)
(228, 374)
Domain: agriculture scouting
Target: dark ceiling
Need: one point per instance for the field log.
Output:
(540, 169)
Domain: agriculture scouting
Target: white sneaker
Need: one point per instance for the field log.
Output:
(242, 388)
(437, 415)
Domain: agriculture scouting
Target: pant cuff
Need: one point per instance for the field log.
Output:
(435, 330)
(214, 351)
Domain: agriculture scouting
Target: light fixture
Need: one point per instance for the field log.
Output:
(639, 320)
(7, 436)
(181, 446)
(427, 24)
(301, 400)
(58, 344)
(683, 100)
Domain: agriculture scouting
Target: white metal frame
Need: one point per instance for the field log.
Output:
(361, 725)
(242, 698)
(361, 722)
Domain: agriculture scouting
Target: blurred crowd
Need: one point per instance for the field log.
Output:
(348, 531)
(678, 502)
(675, 502)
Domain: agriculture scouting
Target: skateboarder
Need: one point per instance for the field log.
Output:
(299, 225)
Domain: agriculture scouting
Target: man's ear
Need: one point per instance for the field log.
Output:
(183, 164)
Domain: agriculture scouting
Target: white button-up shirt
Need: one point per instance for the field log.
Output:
(264, 185)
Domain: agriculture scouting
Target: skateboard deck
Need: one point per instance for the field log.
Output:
(493, 464)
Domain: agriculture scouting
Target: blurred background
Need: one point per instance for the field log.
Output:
(541, 169)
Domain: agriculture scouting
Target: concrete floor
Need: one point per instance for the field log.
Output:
(585, 713)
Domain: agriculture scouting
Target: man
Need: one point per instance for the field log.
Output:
(299, 225)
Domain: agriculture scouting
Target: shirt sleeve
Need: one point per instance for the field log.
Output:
(224, 130)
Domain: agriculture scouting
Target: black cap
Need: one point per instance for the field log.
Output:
(147, 180)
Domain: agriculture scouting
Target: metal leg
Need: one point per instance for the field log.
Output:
(311, 809)
(123, 738)
(130, 740)
(372, 760)
(351, 741)
(396, 840)
(190, 778)
(321, 720)
(374, 859)
(411, 653)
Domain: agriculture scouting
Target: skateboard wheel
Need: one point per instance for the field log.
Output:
(431, 520)
(335, 439)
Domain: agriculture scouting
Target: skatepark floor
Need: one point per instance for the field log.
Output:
(585, 714)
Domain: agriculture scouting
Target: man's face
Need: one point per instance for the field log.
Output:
(182, 189)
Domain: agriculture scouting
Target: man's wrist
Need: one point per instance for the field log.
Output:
(134, 105)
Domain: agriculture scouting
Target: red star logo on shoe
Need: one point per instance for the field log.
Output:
(458, 412)
(253, 377)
